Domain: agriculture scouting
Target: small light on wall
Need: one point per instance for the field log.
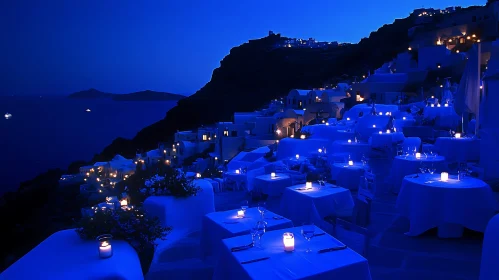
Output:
(444, 176)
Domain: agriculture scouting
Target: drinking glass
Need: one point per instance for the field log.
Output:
(308, 231)
(422, 168)
(257, 231)
(244, 205)
(432, 169)
(262, 209)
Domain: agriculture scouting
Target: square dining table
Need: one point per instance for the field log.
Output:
(220, 225)
(272, 262)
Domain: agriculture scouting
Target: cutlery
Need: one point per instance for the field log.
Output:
(242, 248)
(300, 189)
(231, 222)
(319, 234)
(275, 218)
(256, 260)
(333, 249)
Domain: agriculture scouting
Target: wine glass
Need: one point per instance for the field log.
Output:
(257, 231)
(422, 168)
(432, 169)
(364, 160)
(244, 205)
(262, 209)
(308, 231)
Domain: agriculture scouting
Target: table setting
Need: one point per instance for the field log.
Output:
(272, 184)
(225, 224)
(458, 148)
(446, 202)
(407, 164)
(316, 202)
(347, 175)
(304, 252)
(352, 147)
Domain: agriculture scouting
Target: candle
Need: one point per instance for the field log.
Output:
(432, 96)
(105, 248)
(302, 136)
(381, 132)
(350, 162)
(404, 118)
(395, 129)
(288, 239)
(432, 105)
(327, 123)
(272, 174)
(349, 141)
(198, 175)
(381, 113)
(446, 105)
(319, 150)
(237, 171)
(123, 202)
(297, 156)
(308, 185)
(438, 105)
(388, 131)
(240, 213)
(348, 119)
(374, 125)
(458, 135)
(418, 155)
(444, 176)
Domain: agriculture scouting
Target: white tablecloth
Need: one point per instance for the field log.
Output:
(429, 202)
(403, 166)
(313, 205)
(347, 176)
(458, 149)
(386, 139)
(355, 150)
(64, 255)
(183, 213)
(342, 264)
(226, 224)
(272, 186)
(239, 178)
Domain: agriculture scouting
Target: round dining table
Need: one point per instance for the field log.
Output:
(406, 165)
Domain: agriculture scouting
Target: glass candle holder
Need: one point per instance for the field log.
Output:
(288, 240)
(297, 156)
(457, 135)
(237, 171)
(302, 136)
(418, 155)
(105, 248)
(308, 185)
(350, 162)
(349, 141)
(272, 175)
(444, 176)
(240, 213)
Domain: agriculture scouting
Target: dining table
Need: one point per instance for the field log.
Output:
(328, 258)
(272, 185)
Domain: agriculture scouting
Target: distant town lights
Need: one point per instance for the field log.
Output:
(474, 36)
(409, 48)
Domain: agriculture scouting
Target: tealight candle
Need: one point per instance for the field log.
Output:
(432, 96)
(105, 248)
(288, 239)
(388, 131)
(319, 150)
(240, 213)
(272, 174)
(348, 119)
(438, 105)
(327, 123)
(349, 141)
(381, 113)
(381, 132)
(302, 136)
(374, 125)
(446, 105)
(198, 175)
(237, 171)
(404, 118)
(418, 155)
(444, 176)
(308, 185)
(350, 162)
(457, 135)
(123, 202)
(297, 156)
(432, 105)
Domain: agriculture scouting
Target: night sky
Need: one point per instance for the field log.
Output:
(59, 47)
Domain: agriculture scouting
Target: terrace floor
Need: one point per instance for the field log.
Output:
(392, 254)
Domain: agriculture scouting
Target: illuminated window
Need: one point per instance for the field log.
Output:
(299, 104)
(205, 137)
(226, 133)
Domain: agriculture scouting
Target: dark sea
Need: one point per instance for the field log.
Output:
(51, 132)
